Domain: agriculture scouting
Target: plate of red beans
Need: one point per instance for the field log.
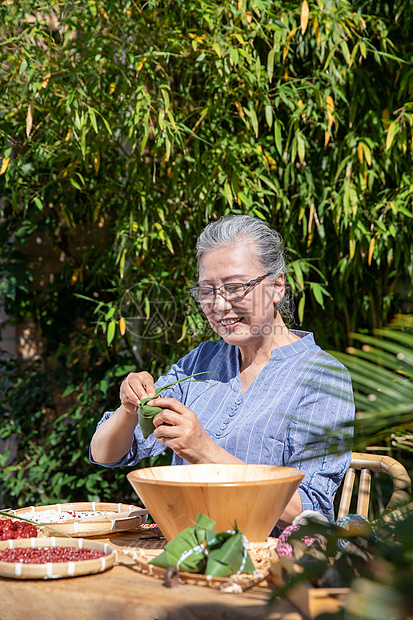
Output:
(54, 557)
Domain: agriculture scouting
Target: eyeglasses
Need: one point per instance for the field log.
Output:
(233, 291)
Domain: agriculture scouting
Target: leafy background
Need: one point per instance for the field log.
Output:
(125, 128)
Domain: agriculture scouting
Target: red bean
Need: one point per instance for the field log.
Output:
(42, 555)
(16, 529)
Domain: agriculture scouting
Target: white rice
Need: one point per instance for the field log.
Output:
(56, 516)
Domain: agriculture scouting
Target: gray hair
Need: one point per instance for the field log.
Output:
(268, 244)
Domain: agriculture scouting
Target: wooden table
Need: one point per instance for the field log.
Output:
(123, 593)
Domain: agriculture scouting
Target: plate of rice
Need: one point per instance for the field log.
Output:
(83, 519)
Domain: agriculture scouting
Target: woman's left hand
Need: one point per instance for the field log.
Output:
(178, 428)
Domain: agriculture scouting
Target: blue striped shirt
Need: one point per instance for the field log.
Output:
(281, 419)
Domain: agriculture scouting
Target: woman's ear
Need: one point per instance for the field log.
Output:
(279, 289)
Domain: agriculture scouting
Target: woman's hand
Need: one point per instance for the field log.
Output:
(178, 428)
(114, 438)
(136, 386)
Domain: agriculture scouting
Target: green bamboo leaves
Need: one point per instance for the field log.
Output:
(200, 549)
(146, 412)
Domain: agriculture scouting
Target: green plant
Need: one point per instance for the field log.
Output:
(295, 112)
(52, 462)
(374, 561)
(382, 375)
(125, 128)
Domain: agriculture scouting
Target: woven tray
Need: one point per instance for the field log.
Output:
(259, 553)
(55, 570)
(116, 518)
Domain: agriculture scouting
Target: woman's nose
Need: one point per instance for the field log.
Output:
(220, 303)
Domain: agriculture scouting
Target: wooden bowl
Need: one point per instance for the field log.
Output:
(251, 496)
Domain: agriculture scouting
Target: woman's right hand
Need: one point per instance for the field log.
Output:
(114, 438)
(134, 388)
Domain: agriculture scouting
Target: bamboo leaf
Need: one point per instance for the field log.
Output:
(270, 64)
(304, 16)
(318, 293)
(352, 248)
(346, 52)
(92, 117)
(168, 148)
(169, 245)
(316, 30)
(228, 194)
(38, 203)
(405, 211)
(171, 119)
(111, 332)
(301, 148)
(200, 549)
(46, 80)
(360, 152)
(287, 42)
(146, 412)
(371, 250)
(83, 141)
(106, 125)
(367, 154)
(140, 65)
(165, 96)
(217, 50)
(4, 165)
(363, 49)
(301, 307)
(23, 66)
(254, 121)
(144, 141)
(183, 331)
(258, 67)
(277, 136)
(29, 119)
(390, 135)
(298, 274)
(109, 314)
(268, 115)
(75, 183)
(96, 162)
(122, 263)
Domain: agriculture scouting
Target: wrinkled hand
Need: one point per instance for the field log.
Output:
(178, 428)
(134, 388)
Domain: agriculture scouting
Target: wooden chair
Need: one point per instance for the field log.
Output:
(366, 464)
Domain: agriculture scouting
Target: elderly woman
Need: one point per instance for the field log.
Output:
(273, 394)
